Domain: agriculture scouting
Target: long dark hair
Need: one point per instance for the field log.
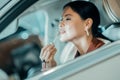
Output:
(86, 10)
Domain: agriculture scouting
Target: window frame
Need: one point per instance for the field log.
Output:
(15, 11)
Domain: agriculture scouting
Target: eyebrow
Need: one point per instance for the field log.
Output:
(67, 15)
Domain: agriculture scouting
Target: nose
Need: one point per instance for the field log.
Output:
(61, 24)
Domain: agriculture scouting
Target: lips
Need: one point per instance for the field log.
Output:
(62, 31)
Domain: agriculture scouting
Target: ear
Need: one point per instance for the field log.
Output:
(88, 23)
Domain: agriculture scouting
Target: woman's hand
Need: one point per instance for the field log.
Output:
(47, 56)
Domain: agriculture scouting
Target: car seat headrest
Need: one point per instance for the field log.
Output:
(112, 31)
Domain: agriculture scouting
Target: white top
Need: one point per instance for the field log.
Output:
(70, 50)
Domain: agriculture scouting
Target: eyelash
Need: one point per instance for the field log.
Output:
(66, 19)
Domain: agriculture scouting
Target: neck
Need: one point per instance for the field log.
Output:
(82, 44)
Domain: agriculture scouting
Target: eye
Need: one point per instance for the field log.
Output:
(65, 19)
(68, 19)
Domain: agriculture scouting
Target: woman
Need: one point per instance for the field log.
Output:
(79, 25)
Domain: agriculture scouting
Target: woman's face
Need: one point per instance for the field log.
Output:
(71, 26)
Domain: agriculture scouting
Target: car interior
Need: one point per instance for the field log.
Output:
(27, 25)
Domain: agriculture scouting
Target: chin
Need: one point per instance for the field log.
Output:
(62, 40)
(65, 39)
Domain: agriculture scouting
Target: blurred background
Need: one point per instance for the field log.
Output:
(27, 25)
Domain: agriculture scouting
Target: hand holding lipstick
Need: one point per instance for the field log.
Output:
(47, 56)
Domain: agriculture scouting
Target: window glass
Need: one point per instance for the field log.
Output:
(34, 22)
(9, 30)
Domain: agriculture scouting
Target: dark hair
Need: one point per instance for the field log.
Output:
(86, 10)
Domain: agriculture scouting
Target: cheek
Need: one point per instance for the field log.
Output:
(73, 30)
(76, 32)
(69, 33)
(70, 30)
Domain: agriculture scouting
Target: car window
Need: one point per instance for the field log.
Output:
(9, 30)
(34, 22)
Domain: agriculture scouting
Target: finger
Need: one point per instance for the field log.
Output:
(49, 52)
(45, 51)
(51, 55)
(51, 46)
